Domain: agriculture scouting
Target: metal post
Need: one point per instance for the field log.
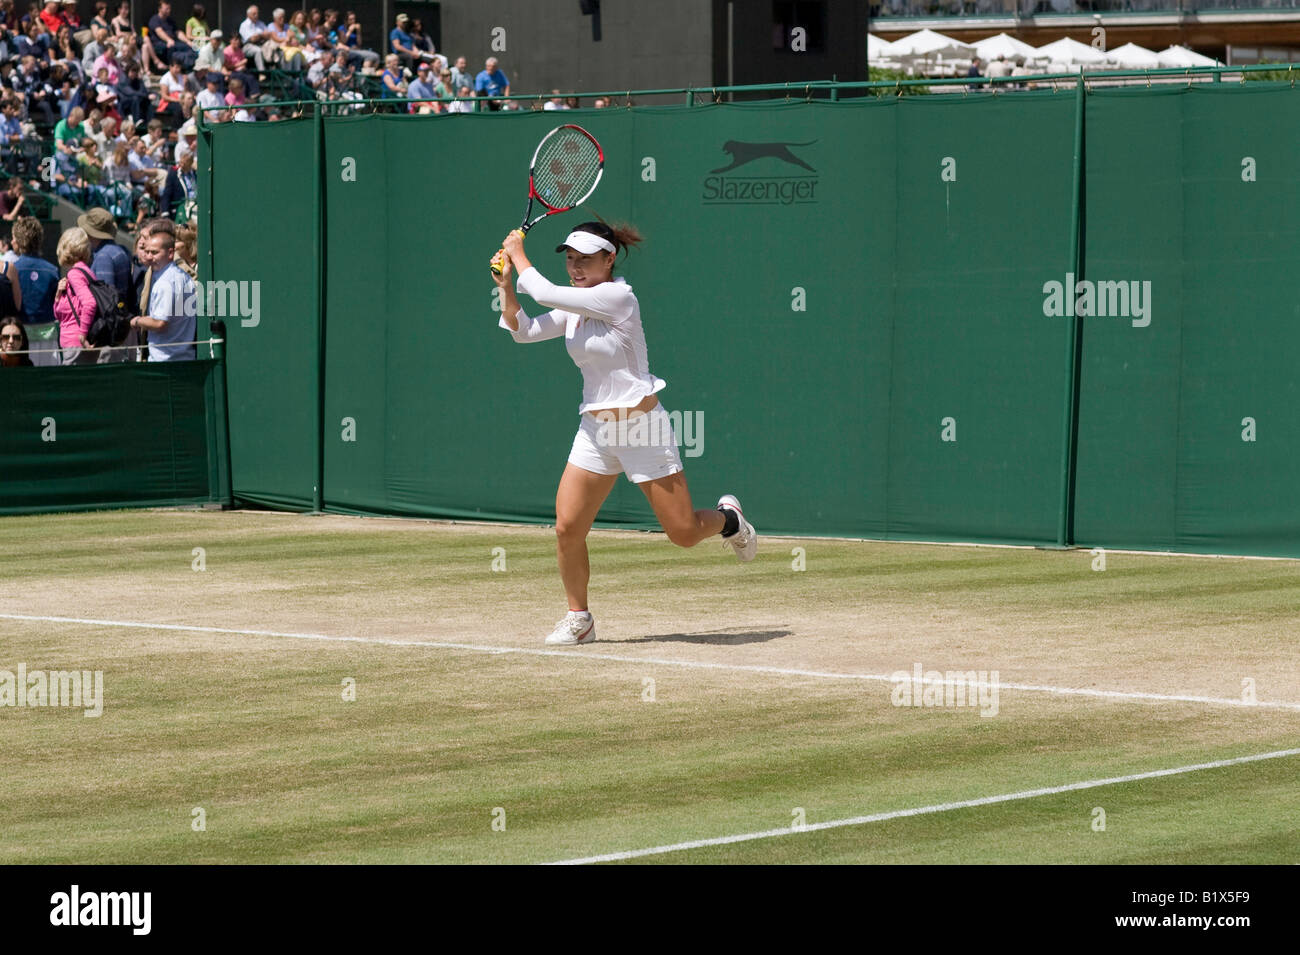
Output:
(318, 130)
(221, 412)
(1065, 530)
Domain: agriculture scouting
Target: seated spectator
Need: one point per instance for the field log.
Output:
(555, 102)
(209, 57)
(100, 20)
(492, 82)
(258, 45)
(464, 101)
(92, 51)
(298, 37)
(421, 93)
(171, 302)
(13, 338)
(107, 61)
(170, 88)
(121, 24)
(164, 36)
(394, 87)
(187, 141)
(290, 53)
(196, 27)
(349, 37)
(65, 51)
(133, 96)
(460, 74)
(143, 163)
(319, 71)
(68, 133)
(401, 45)
(74, 305)
(12, 200)
(181, 186)
(420, 43)
(37, 277)
(40, 97)
(51, 15)
(212, 99)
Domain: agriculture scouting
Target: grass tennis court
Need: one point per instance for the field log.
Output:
(770, 698)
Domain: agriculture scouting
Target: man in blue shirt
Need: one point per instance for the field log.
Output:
(401, 43)
(492, 82)
(36, 277)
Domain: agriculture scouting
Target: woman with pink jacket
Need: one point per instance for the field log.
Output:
(74, 305)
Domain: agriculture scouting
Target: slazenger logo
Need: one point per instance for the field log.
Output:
(779, 186)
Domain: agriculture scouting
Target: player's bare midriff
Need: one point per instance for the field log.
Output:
(605, 414)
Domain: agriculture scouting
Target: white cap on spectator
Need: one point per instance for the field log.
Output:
(585, 242)
(216, 34)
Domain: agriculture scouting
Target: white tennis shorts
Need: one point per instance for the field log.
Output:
(643, 447)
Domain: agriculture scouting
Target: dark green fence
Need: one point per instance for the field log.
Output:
(120, 435)
(853, 294)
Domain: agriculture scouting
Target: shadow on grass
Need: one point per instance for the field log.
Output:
(726, 638)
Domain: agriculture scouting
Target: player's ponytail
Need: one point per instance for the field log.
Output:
(622, 235)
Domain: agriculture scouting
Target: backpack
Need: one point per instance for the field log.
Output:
(112, 320)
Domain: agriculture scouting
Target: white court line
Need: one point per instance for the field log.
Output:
(923, 810)
(585, 654)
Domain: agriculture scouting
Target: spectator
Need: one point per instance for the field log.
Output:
(180, 187)
(999, 68)
(196, 27)
(13, 338)
(298, 37)
(421, 93)
(109, 261)
(164, 36)
(236, 65)
(187, 141)
(290, 53)
(187, 242)
(394, 88)
(460, 74)
(420, 43)
(209, 56)
(121, 24)
(93, 50)
(319, 71)
(442, 89)
(492, 82)
(12, 200)
(51, 15)
(37, 277)
(350, 37)
(107, 60)
(211, 99)
(69, 132)
(256, 37)
(100, 20)
(555, 102)
(145, 164)
(171, 303)
(11, 291)
(133, 96)
(74, 305)
(464, 101)
(600, 102)
(400, 43)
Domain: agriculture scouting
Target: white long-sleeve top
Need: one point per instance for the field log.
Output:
(602, 331)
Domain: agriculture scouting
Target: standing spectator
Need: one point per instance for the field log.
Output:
(11, 290)
(13, 338)
(74, 305)
(187, 258)
(171, 317)
(37, 278)
(109, 261)
(400, 43)
(492, 82)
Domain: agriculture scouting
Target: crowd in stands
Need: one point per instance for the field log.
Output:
(157, 290)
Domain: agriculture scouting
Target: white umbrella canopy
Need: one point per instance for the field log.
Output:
(927, 43)
(877, 49)
(1066, 50)
(1181, 56)
(1134, 57)
(1005, 45)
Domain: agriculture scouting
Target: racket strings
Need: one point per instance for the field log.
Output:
(566, 170)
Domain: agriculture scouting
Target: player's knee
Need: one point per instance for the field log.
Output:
(682, 536)
(569, 532)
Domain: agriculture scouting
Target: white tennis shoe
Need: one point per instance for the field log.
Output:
(745, 540)
(574, 629)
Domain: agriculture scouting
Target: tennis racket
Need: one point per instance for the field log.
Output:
(566, 168)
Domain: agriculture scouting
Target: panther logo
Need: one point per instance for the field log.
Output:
(745, 153)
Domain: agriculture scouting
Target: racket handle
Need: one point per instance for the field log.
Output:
(498, 260)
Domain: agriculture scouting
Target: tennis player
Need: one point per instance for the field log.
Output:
(600, 320)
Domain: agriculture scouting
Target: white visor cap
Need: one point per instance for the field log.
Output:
(585, 242)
